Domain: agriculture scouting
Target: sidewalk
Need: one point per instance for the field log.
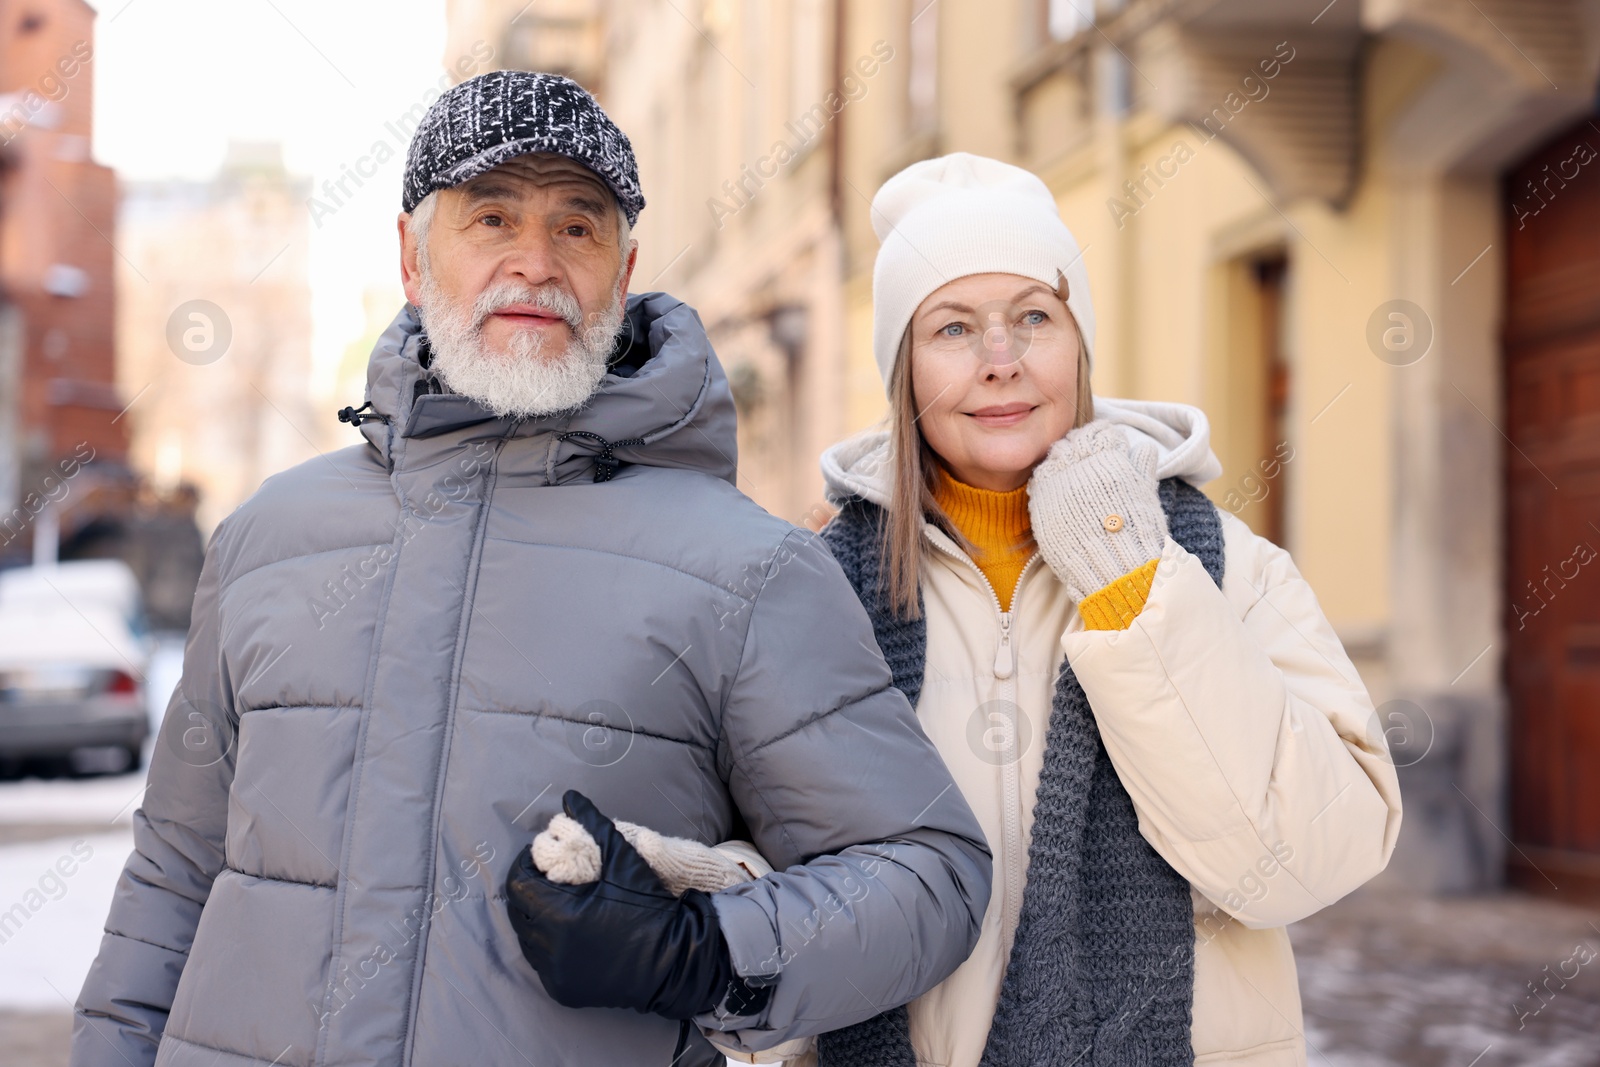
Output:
(35, 1038)
(1391, 981)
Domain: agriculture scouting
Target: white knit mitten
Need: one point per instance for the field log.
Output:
(1095, 508)
(564, 852)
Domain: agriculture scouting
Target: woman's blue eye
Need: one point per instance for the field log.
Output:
(1035, 318)
(954, 326)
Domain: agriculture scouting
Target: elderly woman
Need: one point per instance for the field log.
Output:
(1169, 751)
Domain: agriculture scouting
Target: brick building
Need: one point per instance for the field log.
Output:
(58, 395)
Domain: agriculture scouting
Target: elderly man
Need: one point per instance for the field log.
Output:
(535, 580)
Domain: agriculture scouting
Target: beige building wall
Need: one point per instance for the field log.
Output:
(235, 406)
(727, 106)
(1167, 325)
(1293, 171)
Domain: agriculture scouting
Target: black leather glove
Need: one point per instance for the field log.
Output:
(623, 941)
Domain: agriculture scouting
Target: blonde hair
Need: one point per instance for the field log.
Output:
(914, 467)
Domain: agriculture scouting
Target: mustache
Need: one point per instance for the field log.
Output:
(551, 298)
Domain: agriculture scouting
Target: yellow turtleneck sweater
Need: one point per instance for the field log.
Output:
(996, 523)
(998, 526)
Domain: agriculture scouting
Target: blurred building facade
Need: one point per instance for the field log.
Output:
(215, 327)
(63, 449)
(1351, 232)
(67, 489)
(560, 36)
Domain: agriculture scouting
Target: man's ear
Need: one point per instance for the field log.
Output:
(410, 270)
(627, 266)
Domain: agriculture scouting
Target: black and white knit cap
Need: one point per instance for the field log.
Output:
(487, 120)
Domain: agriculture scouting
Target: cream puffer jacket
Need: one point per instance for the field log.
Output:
(1234, 718)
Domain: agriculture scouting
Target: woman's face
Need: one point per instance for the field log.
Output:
(994, 376)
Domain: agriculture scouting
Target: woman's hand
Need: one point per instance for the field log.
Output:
(1095, 508)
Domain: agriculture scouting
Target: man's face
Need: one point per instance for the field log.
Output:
(521, 284)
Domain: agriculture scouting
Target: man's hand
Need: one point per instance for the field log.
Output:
(624, 941)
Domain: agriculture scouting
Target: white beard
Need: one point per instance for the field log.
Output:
(524, 381)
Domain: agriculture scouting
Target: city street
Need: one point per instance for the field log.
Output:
(498, 389)
(1411, 981)
(1388, 981)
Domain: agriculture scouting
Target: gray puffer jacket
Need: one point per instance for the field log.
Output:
(403, 653)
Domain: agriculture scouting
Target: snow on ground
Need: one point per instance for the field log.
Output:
(54, 896)
(1410, 981)
(76, 801)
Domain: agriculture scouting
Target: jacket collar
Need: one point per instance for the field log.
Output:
(674, 410)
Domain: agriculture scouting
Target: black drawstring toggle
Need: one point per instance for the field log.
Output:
(605, 463)
(355, 416)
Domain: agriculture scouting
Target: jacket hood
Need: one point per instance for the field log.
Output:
(859, 465)
(667, 397)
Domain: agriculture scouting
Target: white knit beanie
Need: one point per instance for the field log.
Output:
(961, 214)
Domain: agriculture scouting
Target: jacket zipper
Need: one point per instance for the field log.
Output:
(469, 590)
(1004, 659)
(1014, 865)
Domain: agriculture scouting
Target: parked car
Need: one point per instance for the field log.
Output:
(74, 653)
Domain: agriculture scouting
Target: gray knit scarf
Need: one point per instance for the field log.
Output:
(1101, 971)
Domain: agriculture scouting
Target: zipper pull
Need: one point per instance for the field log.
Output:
(1003, 661)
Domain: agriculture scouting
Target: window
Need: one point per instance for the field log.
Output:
(1065, 19)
